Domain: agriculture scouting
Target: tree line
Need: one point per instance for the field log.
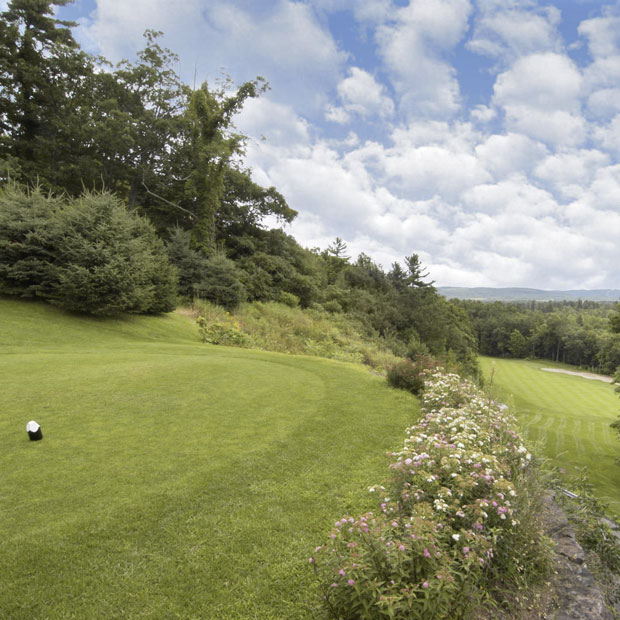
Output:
(582, 333)
(123, 187)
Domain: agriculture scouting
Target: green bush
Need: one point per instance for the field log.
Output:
(88, 255)
(29, 238)
(273, 326)
(406, 375)
(110, 260)
(221, 283)
(288, 299)
(332, 306)
(222, 332)
(190, 263)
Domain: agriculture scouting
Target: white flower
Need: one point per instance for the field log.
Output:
(456, 536)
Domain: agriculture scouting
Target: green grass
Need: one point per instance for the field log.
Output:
(175, 479)
(569, 415)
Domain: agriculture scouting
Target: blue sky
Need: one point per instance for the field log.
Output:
(483, 135)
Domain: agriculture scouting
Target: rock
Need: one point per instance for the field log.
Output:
(578, 595)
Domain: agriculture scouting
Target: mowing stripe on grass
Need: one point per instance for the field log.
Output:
(569, 415)
(175, 479)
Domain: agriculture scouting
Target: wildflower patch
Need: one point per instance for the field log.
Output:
(447, 517)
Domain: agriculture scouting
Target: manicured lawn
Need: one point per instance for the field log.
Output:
(569, 415)
(175, 479)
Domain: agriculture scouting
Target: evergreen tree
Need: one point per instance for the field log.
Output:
(40, 68)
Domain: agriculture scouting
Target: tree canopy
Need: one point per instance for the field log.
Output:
(167, 192)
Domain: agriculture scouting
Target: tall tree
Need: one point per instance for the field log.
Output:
(39, 65)
(338, 249)
(210, 148)
(416, 272)
(614, 320)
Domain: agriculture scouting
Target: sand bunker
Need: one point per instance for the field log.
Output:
(585, 375)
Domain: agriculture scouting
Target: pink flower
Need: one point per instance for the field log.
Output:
(401, 547)
(351, 582)
(311, 560)
(426, 553)
(342, 572)
(425, 584)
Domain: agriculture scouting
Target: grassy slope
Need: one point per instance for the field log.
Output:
(569, 415)
(175, 479)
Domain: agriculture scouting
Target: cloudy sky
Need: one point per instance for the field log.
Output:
(483, 135)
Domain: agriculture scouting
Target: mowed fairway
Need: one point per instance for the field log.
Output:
(569, 415)
(175, 479)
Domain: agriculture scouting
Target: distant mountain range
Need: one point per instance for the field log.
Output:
(527, 294)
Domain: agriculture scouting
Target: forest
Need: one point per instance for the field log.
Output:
(581, 333)
(125, 190)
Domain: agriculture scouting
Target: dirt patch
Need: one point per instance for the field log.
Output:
(585, 375)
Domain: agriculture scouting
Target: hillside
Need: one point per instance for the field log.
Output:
(174, 478)
(527, 294)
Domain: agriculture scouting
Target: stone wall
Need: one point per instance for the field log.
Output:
(578, 596)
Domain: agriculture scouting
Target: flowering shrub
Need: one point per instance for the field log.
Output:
(450, 507)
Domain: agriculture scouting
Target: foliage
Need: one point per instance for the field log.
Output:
(449, 525)
(191, 264)
(41, 67)
(575, 333)
(220, 283)
(594, 531)
(614, 320)
(172, 153)
(89, 255)
(225, 332)
(289, 299)
(588, 514)
(406, 375)
(279, 327)
(29, 236)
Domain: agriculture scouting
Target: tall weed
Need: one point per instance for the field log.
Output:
(287, 328)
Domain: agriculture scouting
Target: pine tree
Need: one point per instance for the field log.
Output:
(39, 60)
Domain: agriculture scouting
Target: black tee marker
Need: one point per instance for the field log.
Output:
(34, 431)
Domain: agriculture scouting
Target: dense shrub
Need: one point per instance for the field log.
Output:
(406, 375)
(221, 283)
(29, 238)
(226, 332)
(190, 263)
(110, 260)
(89, 255)
(289, 299)
(455, 521)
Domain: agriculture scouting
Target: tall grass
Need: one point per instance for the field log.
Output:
(278, 327)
